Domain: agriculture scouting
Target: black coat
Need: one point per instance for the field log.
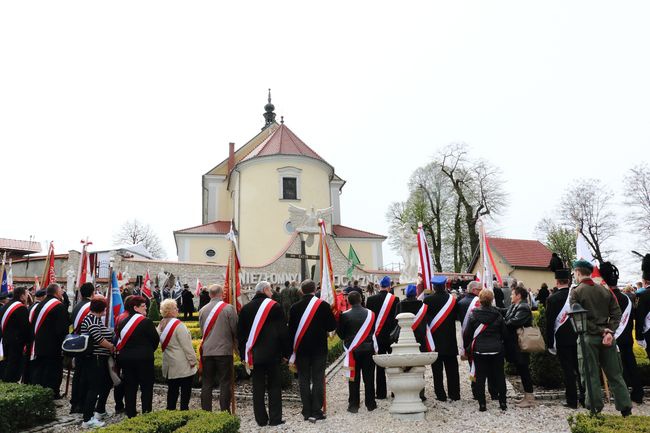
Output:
(493, 338)
(314, 341)
(273, 341)
(463, 305)
(349, 324)
(542, 295)
(517, 316)
(413, 305)
(75, 311)
(204, 299)
(188, 304)
(143, 341)
(498, 297)
(17, 332)
(565, 335)
(374, 304)
(445, 336)
(642, 310)
(625, 339)
(52, 330)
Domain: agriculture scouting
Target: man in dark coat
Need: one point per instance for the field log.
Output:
(204, 298)
(623, 334)
(444, 337)
(565, 338)
(385, 322)
(80, 311)
(50, 326)
(15, 334)
(543, 294)
(267, 351)
(188, 303)
(350, 324)
(643, 307)
(311, 355)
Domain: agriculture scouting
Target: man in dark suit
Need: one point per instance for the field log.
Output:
(50, 326)
(266, 345)
(15, 334)
(311, 353)
(385, 306)
(565, 339)
(350, 324)
(444, 337)
(80, 311)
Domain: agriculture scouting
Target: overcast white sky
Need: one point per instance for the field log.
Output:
(114, 110)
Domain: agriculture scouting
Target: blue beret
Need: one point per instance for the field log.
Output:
(385, 282)
(439, 280)
(411, 290)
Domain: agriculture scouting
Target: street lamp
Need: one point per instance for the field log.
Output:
(578, 316)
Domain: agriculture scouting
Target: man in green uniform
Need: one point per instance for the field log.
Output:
(603, 318)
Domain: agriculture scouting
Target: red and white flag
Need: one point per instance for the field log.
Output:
(489, 267)
(583, 252)
(232, 286)
(10, 278)
(426, 264)
(146, 285)
(49, 276)
(199, 287)
(327, 289)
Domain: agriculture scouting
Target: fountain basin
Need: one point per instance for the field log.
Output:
(405, 360)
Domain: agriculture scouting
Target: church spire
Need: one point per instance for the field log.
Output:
(269, 115)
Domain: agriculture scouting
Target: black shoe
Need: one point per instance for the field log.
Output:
(571, 405)
(503, 406)
(119, 410)
(371, 408)
(319, 417)
(306, 418)
(274, 423)
(441, 399)
(352, 409)
(262, 424)
(626, 412)
(312, 420)
(638, 400)
(482, 408)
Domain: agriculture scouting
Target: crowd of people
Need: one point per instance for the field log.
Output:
(293, 325)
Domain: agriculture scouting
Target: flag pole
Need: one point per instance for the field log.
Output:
(233, 300)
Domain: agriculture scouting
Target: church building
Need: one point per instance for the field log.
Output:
(251, 191)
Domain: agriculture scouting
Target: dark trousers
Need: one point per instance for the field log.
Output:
(267, 375)
(118, 396)
(13, 364)
(216, 369)
(311, 378)
(568, 357)
(79, 384)
(48, 372)
(98, 384)
(365, 367)
(523, 370)
(187, 313)
(184, 384)
(450, 364)
(490, 367)
(630, 372)
(137, 374)
(380, 382)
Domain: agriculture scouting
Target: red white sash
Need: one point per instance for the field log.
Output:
(256, 328)
(128, 329)
(360, 337)
(10, 310)
(438, 320)
(305, 321)
(560, 320)
(207, 327)
(32, 310)
(389, 300)
(470, 356)
(625, 318)
(168, 332)
(42, 315)
(81, 315)
(422, 312)
(475, 303)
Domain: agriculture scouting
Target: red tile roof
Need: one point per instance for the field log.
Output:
(348, 232)
(521, 252)
(214, 228)
(26, 247)
(283, 142)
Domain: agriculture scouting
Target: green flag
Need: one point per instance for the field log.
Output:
(353, 259)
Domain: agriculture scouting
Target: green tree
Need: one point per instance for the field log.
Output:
(559, 239)
(153, 312)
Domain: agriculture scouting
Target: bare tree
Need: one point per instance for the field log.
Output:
(637, 197)
(586, 207)
(559, 239)
(134, 232)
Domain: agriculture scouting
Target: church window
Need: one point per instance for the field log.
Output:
(210, 253)
(289, 188)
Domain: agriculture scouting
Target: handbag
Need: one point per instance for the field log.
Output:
(77, 345)
(530, 339)
(113, 371)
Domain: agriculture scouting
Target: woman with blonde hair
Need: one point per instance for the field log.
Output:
(179, 363)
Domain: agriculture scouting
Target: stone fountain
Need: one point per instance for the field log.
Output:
(405, 371)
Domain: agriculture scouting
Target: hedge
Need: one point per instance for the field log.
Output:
(171, 421)
(24, 406)
(584, 423)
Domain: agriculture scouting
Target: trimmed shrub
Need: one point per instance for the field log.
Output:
(24, 406)
(584, 423)
(545, 369)
(171, 421)
(154, 311)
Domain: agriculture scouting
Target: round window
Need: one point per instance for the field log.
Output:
(210, 253)
(289, 227)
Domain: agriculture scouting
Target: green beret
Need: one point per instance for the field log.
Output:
(583, 264)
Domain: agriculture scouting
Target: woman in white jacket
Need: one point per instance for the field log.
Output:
(179, 363)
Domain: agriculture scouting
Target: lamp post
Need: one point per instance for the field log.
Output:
(578, 316)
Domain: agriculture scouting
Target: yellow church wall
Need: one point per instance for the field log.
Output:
(224, 210)
(200, 244)
(263, 214)
(365, 251)
(532, 278)
(502, 266)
